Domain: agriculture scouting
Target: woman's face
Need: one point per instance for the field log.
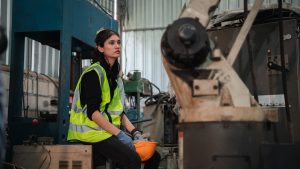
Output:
(111, 48)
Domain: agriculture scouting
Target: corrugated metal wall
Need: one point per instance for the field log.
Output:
(38, 58)
(143, 29)
(41, 58)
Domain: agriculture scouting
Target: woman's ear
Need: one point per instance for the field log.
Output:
(100, 49)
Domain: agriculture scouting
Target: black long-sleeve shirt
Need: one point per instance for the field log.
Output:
(90, 94)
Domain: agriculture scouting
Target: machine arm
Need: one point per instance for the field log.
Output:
(206, 86)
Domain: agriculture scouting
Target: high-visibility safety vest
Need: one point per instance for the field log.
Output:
(83, 129)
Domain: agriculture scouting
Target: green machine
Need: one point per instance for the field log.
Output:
(135, 88)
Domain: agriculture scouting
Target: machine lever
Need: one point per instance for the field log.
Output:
(274, 66)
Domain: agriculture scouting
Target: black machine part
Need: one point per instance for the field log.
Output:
(236, 145)
(3, 40)
(185, 43)
(225, 145)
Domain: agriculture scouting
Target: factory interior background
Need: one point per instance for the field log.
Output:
(203, 109)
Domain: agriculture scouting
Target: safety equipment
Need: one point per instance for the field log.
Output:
(145, 149)
(136, 134)
(83, 129)
(124, 138)
(141, 137)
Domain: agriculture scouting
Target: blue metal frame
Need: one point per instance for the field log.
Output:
(54, 23)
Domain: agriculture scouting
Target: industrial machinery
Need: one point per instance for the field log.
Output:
(135, 88)
(53, 156)
(221, 125)
(68, 26)
(158, 117)
(161, 109)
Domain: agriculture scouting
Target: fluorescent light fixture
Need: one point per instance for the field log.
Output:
(115, 9)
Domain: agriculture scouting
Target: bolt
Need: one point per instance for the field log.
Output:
(186, 34)
(215, 87)
(216, 54)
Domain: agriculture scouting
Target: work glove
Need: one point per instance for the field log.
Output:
(139, 136)
(124, 138)
(136, 134)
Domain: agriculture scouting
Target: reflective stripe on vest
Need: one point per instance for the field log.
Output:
(121, 88)
(76, 96)
(81, 127)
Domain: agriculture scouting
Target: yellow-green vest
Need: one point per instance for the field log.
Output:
(83, 129)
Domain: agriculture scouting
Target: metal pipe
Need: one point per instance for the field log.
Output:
(37, 94)
(144, 29)
(283, 72)
(245, 7)
(243, 32)
(251, 60)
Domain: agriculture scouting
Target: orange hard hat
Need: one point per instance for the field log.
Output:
(145, 149)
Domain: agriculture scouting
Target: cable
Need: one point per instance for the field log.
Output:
(156, 99)
(13, 165)
(161, 98)
(41, 165)
(50, 158)
(50, 80)
(152, 84)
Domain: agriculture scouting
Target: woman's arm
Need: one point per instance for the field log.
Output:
(127, 124)
(104, 124)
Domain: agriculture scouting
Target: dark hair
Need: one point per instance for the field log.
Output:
(101, 37)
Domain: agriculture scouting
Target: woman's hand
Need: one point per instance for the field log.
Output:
(136, 134)
(124, 138)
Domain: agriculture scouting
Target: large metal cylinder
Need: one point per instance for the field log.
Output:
(185, 43)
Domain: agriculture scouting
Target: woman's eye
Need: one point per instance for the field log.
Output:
(113, 42)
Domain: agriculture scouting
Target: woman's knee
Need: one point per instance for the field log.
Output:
(133, 161)
(156, 156)
(135, 158)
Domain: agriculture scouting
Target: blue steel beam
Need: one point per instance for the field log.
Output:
(71, 19)
(64, 73)
(16, 76)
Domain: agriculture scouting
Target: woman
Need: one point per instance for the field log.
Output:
(95, 116)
